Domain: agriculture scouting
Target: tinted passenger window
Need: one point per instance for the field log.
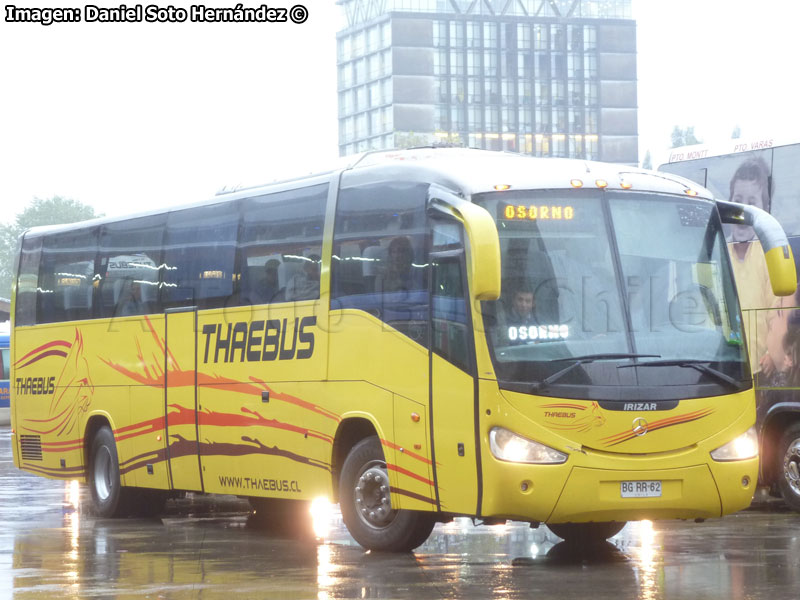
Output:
(129, 267)
(66, 276)
(27, 281)
(199, 256)
(380, 255)
(450, 322)
(281, 246)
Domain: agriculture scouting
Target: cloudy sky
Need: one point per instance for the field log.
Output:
(134, 116)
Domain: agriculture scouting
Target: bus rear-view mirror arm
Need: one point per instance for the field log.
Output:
(777, 252)
(483, 258)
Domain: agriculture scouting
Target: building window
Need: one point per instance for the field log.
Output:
(491, 90)
(525, 121)
(507, 91)
(373, 39)
(474, 35)
(473, 62)
(458, 118)
(361, 71)
(524, 91)
(440, 62)
(439, 34)
(456, 62)
(523, 36)
(361, 99)
(492, 116)
(559, 145)
(475, 121)
(541, 37)
(490, 35)
(456, 34)
(474, 90)
(490, 64)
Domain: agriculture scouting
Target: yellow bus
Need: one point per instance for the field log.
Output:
(422, 334)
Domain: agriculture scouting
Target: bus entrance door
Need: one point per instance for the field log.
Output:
(181, 399)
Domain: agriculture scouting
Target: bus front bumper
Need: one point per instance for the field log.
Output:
(583, 494)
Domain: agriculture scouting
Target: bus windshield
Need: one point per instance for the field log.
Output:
(609, 279)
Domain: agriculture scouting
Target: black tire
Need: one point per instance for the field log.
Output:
(109, 498)
(291, 518)
(787, 467)
(366, 506)
(586, 533)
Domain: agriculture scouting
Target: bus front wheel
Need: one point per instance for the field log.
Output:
(586, 533)
(366, 507)
(109, 498)
(789, 466)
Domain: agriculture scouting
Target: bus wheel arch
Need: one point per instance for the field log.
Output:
(349, 433)
(364, 499)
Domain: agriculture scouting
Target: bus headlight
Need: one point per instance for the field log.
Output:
(507, 445)
(743, 447)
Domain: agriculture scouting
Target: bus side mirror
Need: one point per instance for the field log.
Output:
(483, 259)
(777, 251)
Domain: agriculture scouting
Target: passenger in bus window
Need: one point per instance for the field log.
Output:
(271, 285)
(398, 275)
(305, 284)
(131, 301)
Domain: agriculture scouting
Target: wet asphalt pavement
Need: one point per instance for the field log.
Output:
(209, 547)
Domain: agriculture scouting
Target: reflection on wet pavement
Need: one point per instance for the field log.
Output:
(211, 547)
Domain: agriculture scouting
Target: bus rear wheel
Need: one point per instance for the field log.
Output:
(364, 498)
(788, 470)
(586, 533)
(109, 498)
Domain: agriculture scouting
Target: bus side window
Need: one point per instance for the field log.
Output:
(280, 246)
(451, 338)
(66, 276)
(199, 256)
(380, 254)
(27, 281)
(129, 267)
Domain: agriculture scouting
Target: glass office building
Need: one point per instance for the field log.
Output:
(541, 77)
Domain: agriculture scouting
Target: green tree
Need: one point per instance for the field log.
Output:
(647, 163)
(50, 211)
(684, 137)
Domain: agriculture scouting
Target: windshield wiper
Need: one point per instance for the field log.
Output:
(580, 360)
(691, 363)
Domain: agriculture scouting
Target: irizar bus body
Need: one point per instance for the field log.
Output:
(424, 334)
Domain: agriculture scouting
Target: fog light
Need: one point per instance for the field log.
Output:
(745, 481)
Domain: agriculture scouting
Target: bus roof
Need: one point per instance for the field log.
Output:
(465, 171)
(700, 151)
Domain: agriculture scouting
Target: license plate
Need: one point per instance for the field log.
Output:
(640, 489)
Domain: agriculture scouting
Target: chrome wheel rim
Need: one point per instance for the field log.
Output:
(371, 494)
(103, 484)
(791, 466)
